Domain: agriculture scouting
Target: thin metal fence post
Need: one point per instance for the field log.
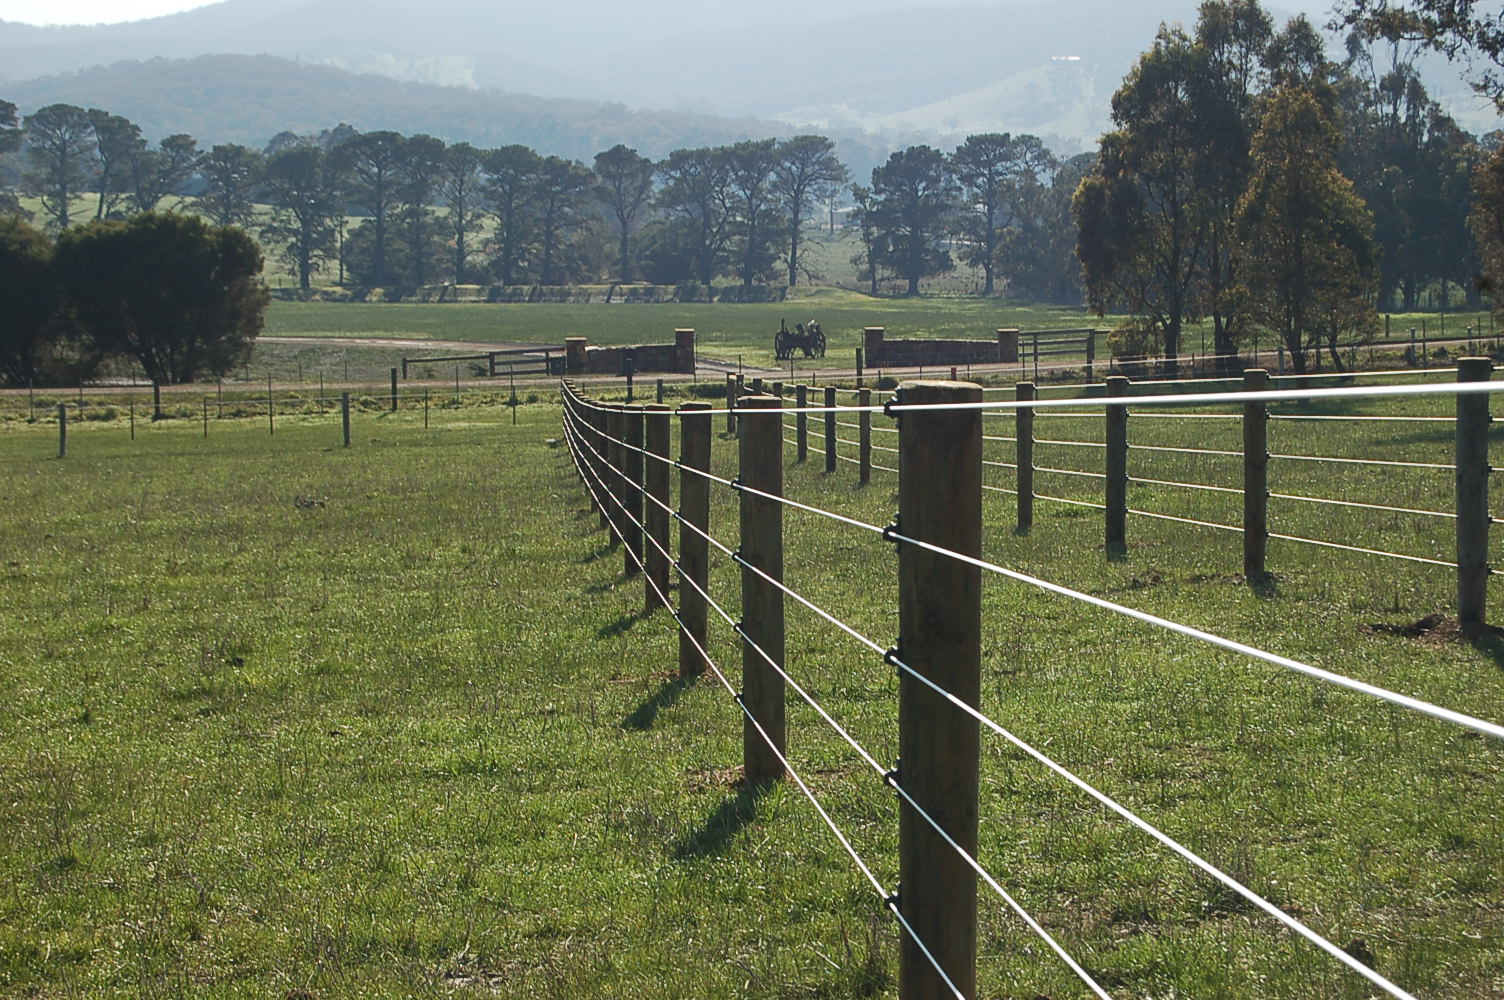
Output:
(656, 478)
(694, 525)
(741, 390)
(864, 437)
(133, 417)
(631, 467)
(730, 403)
(1255, 478)
(801, 421)
(761, 521)
(1117, 470)
(940, 629)
(344, 416)
(394, 388)
(62, 430)
(206, 419)
(1472, 495)
(1024, 419)
(830, 429)
(271, 408)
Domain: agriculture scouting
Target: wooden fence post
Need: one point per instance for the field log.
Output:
(940, 629)
(394, 389)
(1472, 495)
(156, 401)
(761, 459)
(864, 436)
(1091, 355)
(595, 417)
(206, 418)
(801, 421)
(1024, 421)
(741, 390)
(271, 408)
(730, 403)
(631, 467)
(615, 428)
(1255, 478)
(830, 429)
(656, 479)
(62, 430)
(1117, 470)
(659, 397)
(694, 524)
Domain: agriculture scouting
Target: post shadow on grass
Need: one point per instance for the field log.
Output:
(622, 624)
(721, 827)
(600, 552)
(644, 715)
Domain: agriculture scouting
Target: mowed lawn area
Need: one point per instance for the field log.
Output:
(285, 719)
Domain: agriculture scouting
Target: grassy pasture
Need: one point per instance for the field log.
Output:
(419, 741)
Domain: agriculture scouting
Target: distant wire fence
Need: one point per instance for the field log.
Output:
(621, 453)
(126, 407)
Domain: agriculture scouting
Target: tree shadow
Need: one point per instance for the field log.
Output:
(721, 827)
(644, 715)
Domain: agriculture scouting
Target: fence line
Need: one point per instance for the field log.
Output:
(904, 537)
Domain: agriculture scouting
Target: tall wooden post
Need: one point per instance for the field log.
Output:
(656, 478)
(940, 629)
(830, 428)
(1091, 355)
(1255, 478)
(1024, 421)
(1472, 495)
(271, 408)
(741, 390)
(864, 437)
(631, 494)
(694, 524)
(761, 457)
(394, 388)
(595, 418)
(801, 422)
(1117, 470)
(615, 428)
(156, 400)
(344, 415)
(62, 430)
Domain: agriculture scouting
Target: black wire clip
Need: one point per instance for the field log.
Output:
(894, 898)
(892, 530)
(894, 655)
(891, 778)
(888, 405)
(736, 484)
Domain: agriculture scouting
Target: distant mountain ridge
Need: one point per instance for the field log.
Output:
(926, 71)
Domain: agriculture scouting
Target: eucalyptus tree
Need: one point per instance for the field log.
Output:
(804, 167)
(59, 145)
(1311, 264)
(998, 174)
(624, 184)
(10, 141)
(559, 194)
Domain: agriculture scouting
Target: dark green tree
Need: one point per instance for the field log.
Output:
(231, 175)
(868, 261)
(164, 171)
(299, 185)
(754, 228)
(559, 196)
(372, 161)
(510, 175)
(180, 296)
(34, 347)
(60, 147)
(117, 143)
(10, 141)
(418, 177)
(460, 189)
(1037, 254)
(699, 199)
(1487, 224)
(999, 175)
(916, 199)
(624, 184)
(804, 168)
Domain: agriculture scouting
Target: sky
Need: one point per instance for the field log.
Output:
(90, 11)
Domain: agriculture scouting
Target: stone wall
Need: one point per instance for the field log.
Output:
(879, 352)
(582, 359)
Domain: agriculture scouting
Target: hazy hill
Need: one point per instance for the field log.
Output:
(924, 70)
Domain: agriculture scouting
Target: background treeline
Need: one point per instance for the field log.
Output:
(1250, 180)
(1253, 181)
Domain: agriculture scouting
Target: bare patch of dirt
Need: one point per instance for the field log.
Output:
(1436, 630)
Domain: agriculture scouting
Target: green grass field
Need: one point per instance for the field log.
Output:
(413, 737)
